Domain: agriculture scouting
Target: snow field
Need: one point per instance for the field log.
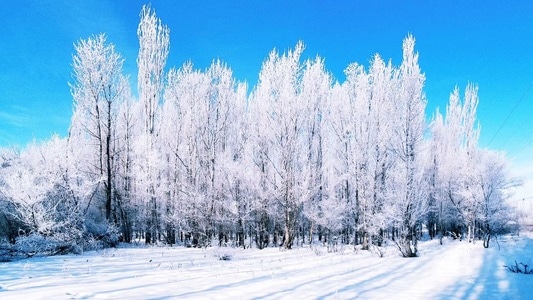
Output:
(456, 270)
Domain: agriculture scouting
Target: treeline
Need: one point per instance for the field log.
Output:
(200, 158)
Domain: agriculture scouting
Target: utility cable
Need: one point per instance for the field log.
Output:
(511, 113)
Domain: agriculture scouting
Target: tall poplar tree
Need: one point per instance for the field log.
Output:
(154, 41)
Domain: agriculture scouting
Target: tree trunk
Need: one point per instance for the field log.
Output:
(240, 234)
(486, 241)
(108, 186)
(287, 232)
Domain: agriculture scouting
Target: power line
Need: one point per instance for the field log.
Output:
(523, 148)
(523, 199)
(511, 113)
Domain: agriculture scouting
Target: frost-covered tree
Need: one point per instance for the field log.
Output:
(127, 124)
(470, 185)
(42, 200)
(237, 173)
(98, 85)
(344, 124)
(320, 206)
(197, 118)
(373, 139)
(9, 225)
(281, 134)
(454, 148)
(493, 187)
(410, 200)
(177, 143)
(154, 41)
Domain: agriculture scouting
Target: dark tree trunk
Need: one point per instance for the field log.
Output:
(108, 186)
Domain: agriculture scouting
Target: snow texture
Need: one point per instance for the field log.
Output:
(456, 270)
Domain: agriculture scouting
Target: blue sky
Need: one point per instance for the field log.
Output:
(485, 42)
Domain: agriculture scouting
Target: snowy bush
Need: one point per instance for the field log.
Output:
(223, 253)
(225, 257)
(39, 245)
(100, 235)
(9, 225)
(379, 251)
(520, 268)
(318, 250)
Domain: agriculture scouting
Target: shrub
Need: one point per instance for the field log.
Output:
(520, 268)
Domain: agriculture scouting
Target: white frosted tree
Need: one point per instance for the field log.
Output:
(214, 111)
(280, 136)
(172, 141)
(185, 88)
(345, 124)
(9, 224)
(362, 131)
(374, 139)
(43, 203)
(197, 118)
(221, 120)
(493, 189)
(237, 174)
(98, 86)
(154, 41)
(471, 184)
(410, 186)
(454, 151)
(127, 125)
(320, 206)
(436, 201)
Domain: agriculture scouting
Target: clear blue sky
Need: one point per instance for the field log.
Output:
(485, 42)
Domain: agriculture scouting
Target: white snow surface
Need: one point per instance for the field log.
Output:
(455, 270)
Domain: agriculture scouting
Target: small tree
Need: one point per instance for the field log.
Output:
(493, 185)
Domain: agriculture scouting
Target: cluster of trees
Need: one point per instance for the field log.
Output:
(199, 158)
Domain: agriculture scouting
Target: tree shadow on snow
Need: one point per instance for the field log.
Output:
(493, 280)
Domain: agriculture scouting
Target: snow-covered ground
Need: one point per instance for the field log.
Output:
(457, 270)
